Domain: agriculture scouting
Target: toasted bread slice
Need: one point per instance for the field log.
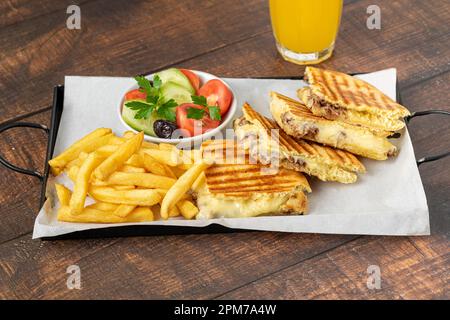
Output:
(240, 187)
(353, 118)
(336, 95)
(298, 121)
(273, 144)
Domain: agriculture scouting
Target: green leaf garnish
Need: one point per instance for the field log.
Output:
(200, 100)
(214, 111)
(167, 110)
(154, 100)
(194, 113)
(143, 83)
(143, 109)
(157, 82)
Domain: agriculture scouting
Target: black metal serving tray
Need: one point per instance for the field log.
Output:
(138, 230)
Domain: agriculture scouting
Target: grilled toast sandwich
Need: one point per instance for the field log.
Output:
(237, 186)
(299, 122)
(268, 143)
(335, 95)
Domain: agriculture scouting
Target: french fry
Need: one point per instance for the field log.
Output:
(146, 180)
(188, 209)
(124, 187)
(88, 143)
(116, 160)
(98, 182)
(194, 154)
(107, 150)
(128, 134)
(185, 166)
(78, 161)
(180, 187)
(177, 171)
(135, 161)
(132, 169)
(174, 212)
(169, 171)
(131, 180)
(168, 157)
(156, 209)
(144, 212)
(73, 172)
(83, 156)
(104, 206)
(153, 166)
(199, 182)
(162, 192)
(90, 215)
(82, 182)
(149, 145)
(63, 194)
(186, 157)
(117, 140)
(145, 144)
(73, 163)
(124, 209)
(138, 197)
(167, 146)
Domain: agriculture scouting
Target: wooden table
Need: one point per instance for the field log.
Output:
(233, 39)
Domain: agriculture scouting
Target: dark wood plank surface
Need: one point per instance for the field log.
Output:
(407, 272)
(230, 38)
(19, 196)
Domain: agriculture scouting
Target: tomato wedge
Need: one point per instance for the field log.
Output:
(217, 93)
(193, 78)
(193, 126)
(135, 95)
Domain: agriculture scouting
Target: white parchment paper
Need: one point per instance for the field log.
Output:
(388, 200)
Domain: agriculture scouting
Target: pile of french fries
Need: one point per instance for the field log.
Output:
(131, 180)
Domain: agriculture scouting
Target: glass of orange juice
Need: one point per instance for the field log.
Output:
(305, 30)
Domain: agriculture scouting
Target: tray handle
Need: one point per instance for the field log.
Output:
(425, 113)
(13, 167)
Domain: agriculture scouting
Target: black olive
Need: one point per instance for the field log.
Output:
(164, 129)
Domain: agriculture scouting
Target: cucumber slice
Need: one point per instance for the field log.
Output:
(171, 90)
(176, 76)
(145, 125)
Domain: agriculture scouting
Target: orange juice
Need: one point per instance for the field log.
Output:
(305, 30)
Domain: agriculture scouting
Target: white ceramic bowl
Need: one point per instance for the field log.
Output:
(204, 77)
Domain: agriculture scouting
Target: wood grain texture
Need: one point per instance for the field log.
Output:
(19, 195)
(405, 44)
(429, 135)
(179, 267)
(16, 11)
(37, 51)
(408, 271)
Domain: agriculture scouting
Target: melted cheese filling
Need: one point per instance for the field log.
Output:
(362, 142)
(315, 167)
(215, 206)
(383, 122)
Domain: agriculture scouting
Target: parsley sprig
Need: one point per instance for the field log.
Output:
(194, 113)
(154, 100)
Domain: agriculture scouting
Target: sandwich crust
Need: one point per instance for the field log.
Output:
(241, 187)
(298, 121)
(324, 162)
(336, 95)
